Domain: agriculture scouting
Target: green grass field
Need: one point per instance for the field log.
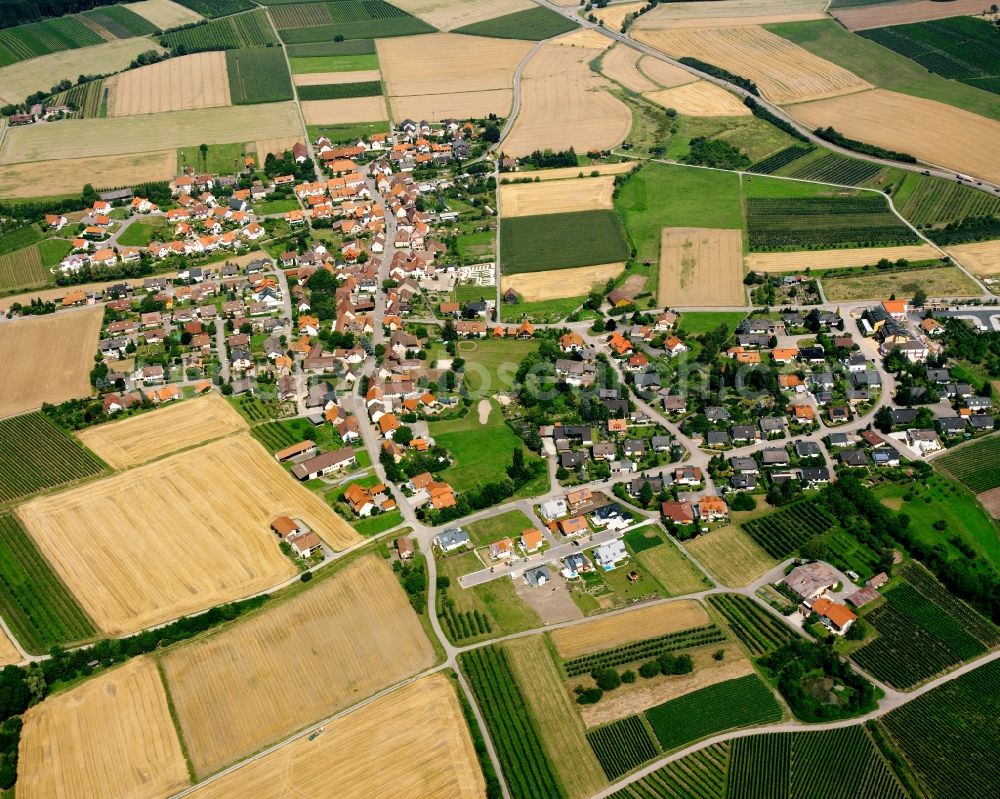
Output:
(339, 91)
(275, 207)
(486, 531)
(347, 132)
(52, 251)
(220, 158)
(490, 364)
(38, 608)
(345, 48)
(695, 323)
(479, 245)
(244, 30)
(141, 233)
(121, 21)
(533, 24)
(258, 75)
(884, 68)
(660, 196)
(561, 241)
(543, 311)
(374, 525)
(752, 135)
(302, 65)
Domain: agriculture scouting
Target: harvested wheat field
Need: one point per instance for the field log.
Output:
(612, 16)
(701, 267)
(177, 84)
(785, 72)
(354, 109)
(620, 63)
(558, 283)
(644, 694)
(177, 535)
(164, 14)
(140, 134)
(409, 744)
(460, 105)
(884, 14)
(276, 146)
(730, 12)
(933, 132)
(327, 78)
(700, 99)
(564, 104)
(823, 259)
(65, 343)
(19, 80)
(983, 257)
(8, 652)
(110, 736)
(563, 172)
(556, 196)
(584, 37)
(326, 648)
(648, 621)
(68, 175)
(664, 74)
(447, 15)
(154, 434)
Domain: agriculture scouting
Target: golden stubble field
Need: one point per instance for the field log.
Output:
(138, 134)
(326, 648)
(613, 15)
(557, 283)
(177, 535)
(556, 196)
(822, 259)
(785, 72)
(700, 99)
(666, 75)
(154, 434)
(983, 257)
(701, 267)
(564, 104)
(563, 172)
(8, 652)
(730, 12)
(621, 63)
(69, 175)
(110, 736)
(933, 132)
(177, 84)
(164, 14)
(19, 80)
(447, 15)
(352, 109)
(648, 621)
(885, 14)
(326, 78)
(47, 359)
(409, 744)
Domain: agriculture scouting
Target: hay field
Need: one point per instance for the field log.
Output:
(983, 257)
(447, 15)
(730, 12)
(563, 172)
(177, 84)
(648, 621)
(115, 136)
(730, 555)
(109, 736)
(620, 63)
(326, 648)
(564, 104)
(164, 14)
(460, 105)
(822, 259)
(700, 99)
(8, 652)
(409, 744)
(177, 535)
(326, 78)
(47, 359)
(556, 196)
(884, 14)
(558, 283)
(68, 175)
(154, 434)
(784, 72)
(933, 132)
(19, 80)
(701, 267)
(354, 109)
(667, 75)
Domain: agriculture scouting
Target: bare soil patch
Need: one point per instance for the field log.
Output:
(69, 175)
(983, 257)
(110, 736)
(933, 132)
(822, 259)
(620, 63)
(161, 432)
(556, 196)
(326, 648)
(558, 283)
(354, 109)
(884, 14)
(700, 99)
(47, 359)
(553, 604)
(785, 72)
(177, 84)
(701, 267)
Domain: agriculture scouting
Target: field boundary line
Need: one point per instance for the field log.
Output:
(175, 720)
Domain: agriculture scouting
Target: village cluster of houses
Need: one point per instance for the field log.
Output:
(813, 583)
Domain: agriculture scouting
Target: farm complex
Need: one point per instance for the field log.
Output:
(500, 399)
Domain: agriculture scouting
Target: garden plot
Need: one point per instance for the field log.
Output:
(784, 72)
(69, 175)
(47, 359)
(556, 196)
(701, 267)
(164, 14)
(332, 645)
(823, 259)
(885, 14)
(558, 283)
(700, 99)
(177, 84)
(564, 104)
(177, 535)
(354, 109)
(110, 736)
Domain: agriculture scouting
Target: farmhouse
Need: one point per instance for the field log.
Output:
(324, 464)
(810, 580)
(838, 618)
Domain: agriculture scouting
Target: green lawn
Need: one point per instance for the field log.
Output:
(881, 66)
(219, 158)
(486, 531)
(19, 238)
(141, 233)
(561, 241)
(332, 63)
(694, 323)
(760, 186)
(275, 206)
(478, 245)
(374, 525)
(52, 251)
(660, 196)
(534, 24)
(482, 452)
(542, 312)
(490, 364)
